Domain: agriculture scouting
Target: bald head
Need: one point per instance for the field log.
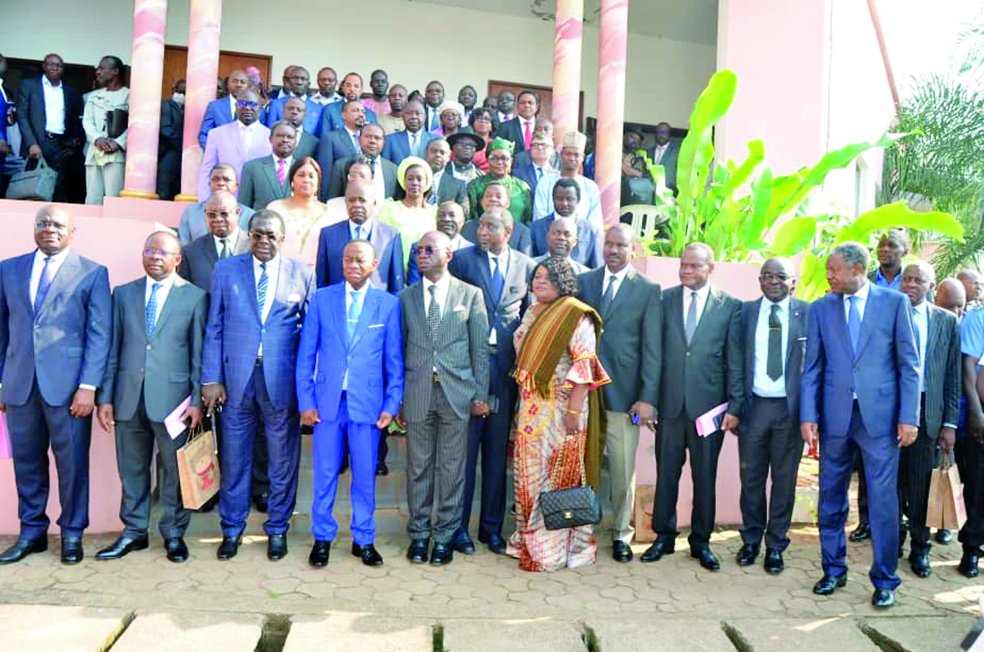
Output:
(951, 295)
(54, 228)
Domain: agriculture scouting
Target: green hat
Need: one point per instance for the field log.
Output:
(500, 143)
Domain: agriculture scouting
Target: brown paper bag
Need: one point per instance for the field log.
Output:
(642, 517)
(946, 508)
(198, 469)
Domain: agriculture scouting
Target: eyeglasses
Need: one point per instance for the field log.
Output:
(258, 236)
(540, 145)
(150, 252)
(48, 224)
(774, 278)
(428, 251)
(245, 104)
(465, 144)
(486, 118)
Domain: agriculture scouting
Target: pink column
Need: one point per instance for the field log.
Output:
(611, 104)
(146, 73)
(567, 66)
(203, 69)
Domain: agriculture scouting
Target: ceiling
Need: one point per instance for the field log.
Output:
(681, 20)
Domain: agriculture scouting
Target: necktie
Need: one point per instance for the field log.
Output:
(527, 136)
(433, 122)
(151, 312)
(353, 313)
(413, 144)
(606, 299)
(853, 322)
(43, 285)
(433, 314)
(355, 143)
(359, 233)
(261, 289)
(498, 280)
(282, 171)
(224, 251)
(539, 172)
(773, 363)
(691, 324)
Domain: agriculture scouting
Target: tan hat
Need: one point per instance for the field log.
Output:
(575, 139)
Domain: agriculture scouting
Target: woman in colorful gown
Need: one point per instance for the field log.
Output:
(408, 212)
(304, 216)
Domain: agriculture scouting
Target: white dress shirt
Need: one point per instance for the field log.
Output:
(247, 133)
(231, 241)
(762, 384)
(378, 183)
(619, 277)
(348, 306)
(503, 269)
(289, 161)
(659, 151)
(166, 284)
(38, 267)
(443, 284)
(233, 102)
(54, 106)
(366, 229)
(920, 323)
(273, 275)
(702, 295)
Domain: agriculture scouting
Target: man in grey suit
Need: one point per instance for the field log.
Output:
(702, 365)
(445, 345)
(938, 344)
(630, 350)
(773, 332)
(371, 142)
(266, 179)
(224, 239)
(154, 365)
(56, 314)
(561, 240)
(665, 152)
(449, 187)
(295, 110)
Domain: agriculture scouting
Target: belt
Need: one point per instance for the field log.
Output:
(259, 361)
(768, 398)
(436, 378)
(52, 136)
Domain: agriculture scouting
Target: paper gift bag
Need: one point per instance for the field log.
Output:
(5, 451)
(946, 508)
(198, 469)
(642, 517)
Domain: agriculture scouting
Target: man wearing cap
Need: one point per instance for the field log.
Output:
(571, 158)
(499, 154)
(463, 148)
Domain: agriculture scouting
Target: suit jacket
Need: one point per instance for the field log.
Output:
(471, 265)
(193, 225)
(217, 113)
(3, 123)
(450, 188)
(333, 146)
(225, 146)
(589, 250)
(169, 150)
(527, 173)
(460, 354)
(388, 275)
(883, 373)
(308, 146)
(331, 117)
(523, 158)
(372, 358)
(630, 346)
(513, 130)
(669, 161)
(336, 186)
(66, 343)
(397, 145)
(312, 116)
(198, 259)
(234, 331)
(31, 116)
(259, 184)
(941, 377)
(520, 239)
(708, 371)
(167, 368)
(795, 352)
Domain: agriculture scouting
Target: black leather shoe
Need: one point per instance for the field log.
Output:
(919, 563)
(495, 543)
(176, 549)
(276, 547)
(968, 565)
(261, 502)
(773, 561)
(382, 469)
(463, 543)
(861, 532)
(122, 547)
(320, 552)
(944, 537)
(656, 551)
(707, 558)
(883, 598)
(71, 550)
(23, 548)
(417, 552)
(621, 552)
(229, 547)
(828, 584)
(442, 554)
(367, 554)
(747, 555)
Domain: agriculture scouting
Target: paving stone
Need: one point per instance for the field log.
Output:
(360, 631)
(659, 635)
(925, 634)
(217, 632)
(767, 635)
(543, 635)
(66, 629)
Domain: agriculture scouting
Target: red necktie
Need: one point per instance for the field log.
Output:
(527, 136)
(282, 171)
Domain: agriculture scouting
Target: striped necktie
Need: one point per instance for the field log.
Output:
(353, 313)
(151, 312)
(261, 289)
(433, 314)
(43, 284)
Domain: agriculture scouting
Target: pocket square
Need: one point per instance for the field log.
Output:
(459, 309)
(294, 298)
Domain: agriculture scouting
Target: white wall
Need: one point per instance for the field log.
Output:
(456, 46)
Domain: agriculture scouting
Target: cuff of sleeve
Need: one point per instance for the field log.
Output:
(950, 425)
(89, 387)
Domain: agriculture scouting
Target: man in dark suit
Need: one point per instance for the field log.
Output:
(223, 110)
(56, 317)
(267, 179)
(276, 110)
(5, 108)
(445, 340)
(540, 154)
(630, 350)
(349, 401)
(360, 202)
(371, 141)
(449, 187)
(862, 366)
(413, 140)
(155, 364)
(503, 276)
(588, 250)
(223, 240)
(341, 143)
(773, 331)
(702, 369)
(169, 143)
(294, 112)
(49, 114)
(433, 99)
(450, 219)
(496, 195)
(665, 152)
(351, 90)
(251, 348)
(520, 129)
(938, 344)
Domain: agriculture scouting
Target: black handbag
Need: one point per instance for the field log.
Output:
(565, 508)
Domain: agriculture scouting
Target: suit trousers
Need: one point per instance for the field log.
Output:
(970, 463)
(676, 438)
(881, 467)
(862, 489)
(491, 436)
(362, 440)
(103, 181)
(134, 455)
(69, 183)
(770, 445)
(622, 441)
(436, 452)
(33, 427)
(281, 429)
(915, 473)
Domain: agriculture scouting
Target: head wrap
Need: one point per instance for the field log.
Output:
(452, 106)
(500, 143)
(409, 162)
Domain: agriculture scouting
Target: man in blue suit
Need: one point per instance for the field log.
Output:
(223, 110)
(56, 318)
(258, 301)
(413, 140)
(360, 202)
(590, 241)
(357, 327)
(351, 89)
(862, 367)
(299, 82)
